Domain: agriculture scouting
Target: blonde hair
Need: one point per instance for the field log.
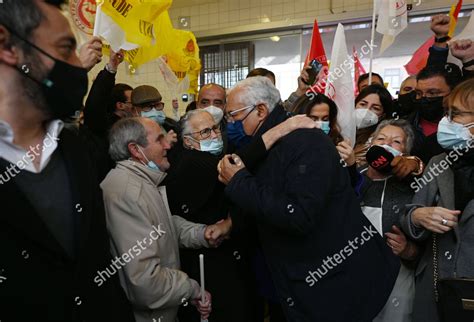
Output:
(464, 92)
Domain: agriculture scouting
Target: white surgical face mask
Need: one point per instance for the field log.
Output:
(365, 118)
(217, 113)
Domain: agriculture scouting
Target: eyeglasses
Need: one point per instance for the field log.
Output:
(206, 133)
(156, 105)
(451, 114)
(229, 116)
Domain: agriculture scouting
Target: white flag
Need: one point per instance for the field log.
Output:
(340, 87)
(468, 31)
(392, 20)
(175, 86)
(105, 26)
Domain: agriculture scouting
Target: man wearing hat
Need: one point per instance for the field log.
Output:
(146, 101)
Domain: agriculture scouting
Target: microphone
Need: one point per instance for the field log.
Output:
(380, 159)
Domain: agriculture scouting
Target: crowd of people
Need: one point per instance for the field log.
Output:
(104, 217)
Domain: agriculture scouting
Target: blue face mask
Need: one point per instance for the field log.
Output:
(157, 116)
(324, 126)
(213, 146)
(236, 134)
(452, 134)
(150, 164)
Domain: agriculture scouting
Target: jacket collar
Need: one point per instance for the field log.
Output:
(278, 115)
(152, 176)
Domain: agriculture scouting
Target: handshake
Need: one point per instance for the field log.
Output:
(216, 233)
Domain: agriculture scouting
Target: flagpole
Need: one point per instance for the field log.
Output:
(372, 44)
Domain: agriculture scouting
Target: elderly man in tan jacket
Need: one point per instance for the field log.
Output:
(144, 236)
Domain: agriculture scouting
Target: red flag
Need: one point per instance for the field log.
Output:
(420, 58)
(316, 51)
(358, 70)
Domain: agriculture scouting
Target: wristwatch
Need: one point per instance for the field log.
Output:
(442, 39)
(421, 166)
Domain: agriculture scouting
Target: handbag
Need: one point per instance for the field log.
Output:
(454, 296)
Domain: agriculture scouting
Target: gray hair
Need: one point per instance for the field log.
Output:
(185, 121)
(402, 124)
(258, 89)
(123, 132)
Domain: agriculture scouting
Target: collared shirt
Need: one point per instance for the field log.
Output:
(22, 158)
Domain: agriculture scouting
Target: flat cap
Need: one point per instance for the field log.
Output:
(145, 94)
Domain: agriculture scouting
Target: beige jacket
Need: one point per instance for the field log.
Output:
(146, 239)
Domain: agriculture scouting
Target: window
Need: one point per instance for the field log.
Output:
(392, 77)
(226, 64)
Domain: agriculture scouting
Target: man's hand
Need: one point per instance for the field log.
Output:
(435, 219)
(440, 25)
(203, 308)
(90, 53)
(116, 58)
(228, 167)
(172, 137)
(346, 152)
(304, 77)
(216, 233)
(402, 166)
(296, 122)
(293, 123)
(462, 49)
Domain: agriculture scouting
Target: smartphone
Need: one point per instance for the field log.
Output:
(314, 71)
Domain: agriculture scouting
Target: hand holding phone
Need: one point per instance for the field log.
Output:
(313, 71)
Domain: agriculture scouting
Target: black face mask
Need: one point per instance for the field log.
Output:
(430, 109)
(405, 104)
(63, 88)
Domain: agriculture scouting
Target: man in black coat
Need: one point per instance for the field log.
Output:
(53, 238)
(327, 261)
